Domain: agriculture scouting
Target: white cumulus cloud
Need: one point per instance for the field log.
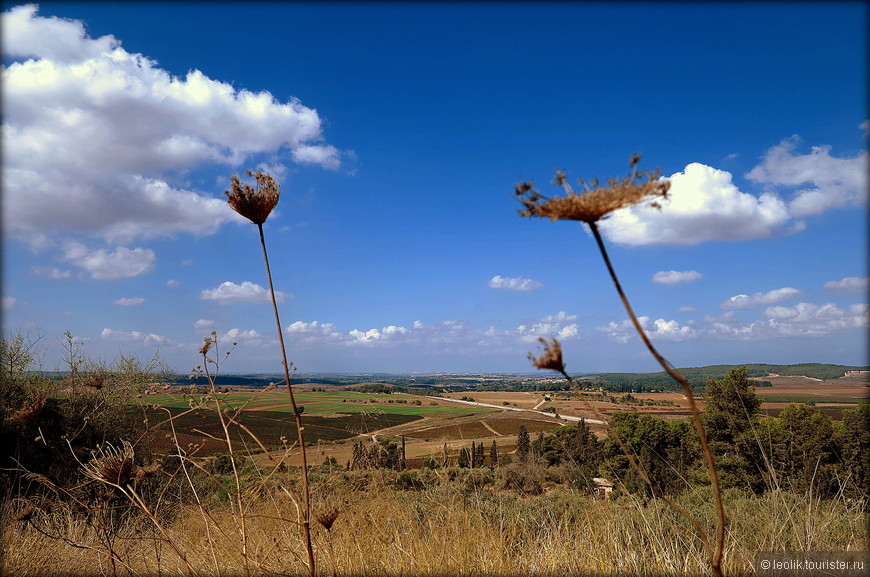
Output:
(50, 272)
(659, 329)
(514, 283)
(851, 285)
(129, 301)
(743, 301)
(704, 204)
(676, 277)
(230, 292)
(93, 136)
(561, 326)
(203, 324)
(801, 320)
(248, 337)
(313, 332)
(120, 262)
(833, 182)
(150, 339)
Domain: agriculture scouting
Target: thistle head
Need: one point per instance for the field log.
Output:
(551, 358)
(597, 201)
(255, 204)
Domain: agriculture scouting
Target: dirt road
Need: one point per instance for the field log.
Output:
(506, 408)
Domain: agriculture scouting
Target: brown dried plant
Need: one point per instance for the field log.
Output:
(112, 465)
(551, 358)
(327, 516)
(115, 467)
(256, 205)
(596, 203)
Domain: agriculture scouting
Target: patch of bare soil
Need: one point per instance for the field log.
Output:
(853, 386)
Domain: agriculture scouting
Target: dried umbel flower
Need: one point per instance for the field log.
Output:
(142, 473)
(26, 514)
(327, 516)
(113, 465)
(206, 346)
(254, 204)
(96, 381)
(30, 411)
(551, 358)
(597, 201)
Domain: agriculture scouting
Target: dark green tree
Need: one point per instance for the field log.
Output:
(810, 454)
(403, 463)
(493, 455)
(730, 418)
(464, 459)
(523, 444)
(855, 450)
(665, 450)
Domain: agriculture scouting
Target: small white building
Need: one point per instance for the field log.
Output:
(603, 487)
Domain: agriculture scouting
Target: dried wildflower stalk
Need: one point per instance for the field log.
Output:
(256, 205)
(114, 466)
(596, 203)
(551, 359)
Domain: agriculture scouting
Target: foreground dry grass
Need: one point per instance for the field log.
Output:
(447, 529)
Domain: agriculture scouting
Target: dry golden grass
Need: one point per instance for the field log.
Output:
(444, 530)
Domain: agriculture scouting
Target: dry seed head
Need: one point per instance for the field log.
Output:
(205, 347)
(30, 411)
(26, 514)
(597, 201)
(96, 382)
(113, 465)
(327, 516)
(254, 204)
(551, 358)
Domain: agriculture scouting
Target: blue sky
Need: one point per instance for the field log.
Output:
(397, 132)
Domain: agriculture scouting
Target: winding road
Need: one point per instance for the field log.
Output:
(506, 408)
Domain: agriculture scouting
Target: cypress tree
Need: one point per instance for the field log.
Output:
(523, 444)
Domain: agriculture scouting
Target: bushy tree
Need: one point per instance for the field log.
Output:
(574, 447)
(854, 435)
(666, 450)
(730, 418)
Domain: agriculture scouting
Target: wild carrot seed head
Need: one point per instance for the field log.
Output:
(327, 516)
(597, 201)
(551, 358)
(254, 204)
(113, 465)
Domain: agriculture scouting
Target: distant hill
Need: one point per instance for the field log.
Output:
(614, 382)
(698, 376)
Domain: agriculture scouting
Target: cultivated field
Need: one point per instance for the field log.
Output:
(335, 418)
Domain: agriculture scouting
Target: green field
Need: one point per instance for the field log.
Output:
(319, 403)
(327, 416)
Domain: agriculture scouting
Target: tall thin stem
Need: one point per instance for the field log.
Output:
(715, 556)
(300, 429)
